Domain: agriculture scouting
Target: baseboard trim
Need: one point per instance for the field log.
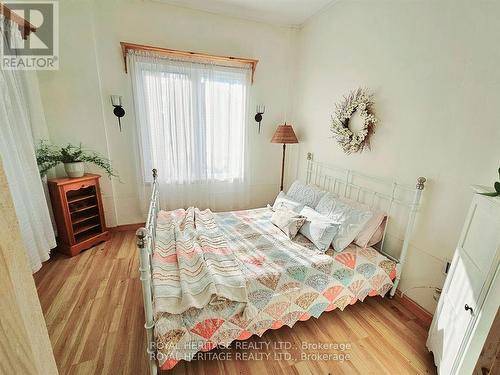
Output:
(126, 227)
(415, 308)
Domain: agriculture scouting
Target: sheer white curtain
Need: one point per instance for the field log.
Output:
(191, 125)
(18, 158)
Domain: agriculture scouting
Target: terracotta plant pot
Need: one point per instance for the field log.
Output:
(76, 169)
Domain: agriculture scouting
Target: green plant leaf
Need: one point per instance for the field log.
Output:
(495, 194)
(497, 187)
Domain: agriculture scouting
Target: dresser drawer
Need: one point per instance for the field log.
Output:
(79, 185)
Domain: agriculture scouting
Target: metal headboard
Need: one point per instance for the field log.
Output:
(399, 201)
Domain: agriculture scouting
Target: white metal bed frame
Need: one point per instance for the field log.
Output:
(146, 237)
(343, 185)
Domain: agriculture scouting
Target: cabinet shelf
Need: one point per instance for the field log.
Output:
(80, 198)
(86, 228)
(84, 219)
(78, 210)
(94, 233)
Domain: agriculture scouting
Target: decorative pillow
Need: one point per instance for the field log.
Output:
(284, 201)
(308, 195)
(367, 237)
(326, 204)
(288, 221)
(318, 228)
(351, 220)
(378, 235)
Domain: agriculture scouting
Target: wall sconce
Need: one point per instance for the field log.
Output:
(260, 111)
(116, 101)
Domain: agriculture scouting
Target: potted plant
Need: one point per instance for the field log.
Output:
(73, 158)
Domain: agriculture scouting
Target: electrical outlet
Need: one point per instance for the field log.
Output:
(446, 267)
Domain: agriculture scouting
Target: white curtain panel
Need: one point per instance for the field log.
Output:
(19, 162)
(39, 129)
(191, 122)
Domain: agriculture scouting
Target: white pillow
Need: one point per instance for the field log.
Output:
(351, 220)
(318, 228)
(326, 204)
(308, 195)
(378, 235)
(288, 221)
(284, 201)
(373, 231)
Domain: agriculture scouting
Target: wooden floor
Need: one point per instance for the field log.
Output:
(93, 307)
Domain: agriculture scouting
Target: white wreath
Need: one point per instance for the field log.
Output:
(358, 100)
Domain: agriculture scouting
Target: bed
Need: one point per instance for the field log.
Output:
(286, 280)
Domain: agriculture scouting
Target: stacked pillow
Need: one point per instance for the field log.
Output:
(288, 221)
(351, 219)
(308, 195)
(318, 229)
(285, 201)
(333, 220)
(373, 231)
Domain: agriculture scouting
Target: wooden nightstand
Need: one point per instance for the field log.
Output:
(78, 211)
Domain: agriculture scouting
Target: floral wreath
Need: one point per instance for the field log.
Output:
(358, 100)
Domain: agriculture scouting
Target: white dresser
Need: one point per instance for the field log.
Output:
(471, 293)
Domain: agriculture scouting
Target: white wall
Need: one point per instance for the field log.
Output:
(76, 98)
(434, 67)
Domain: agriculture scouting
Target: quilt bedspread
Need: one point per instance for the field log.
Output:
(287, 281)
(193, 266)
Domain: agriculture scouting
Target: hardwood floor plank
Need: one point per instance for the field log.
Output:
(93, 308)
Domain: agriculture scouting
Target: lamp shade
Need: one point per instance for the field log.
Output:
(284, 134)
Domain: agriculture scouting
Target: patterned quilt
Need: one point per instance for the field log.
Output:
(193, 266)
(287, 281)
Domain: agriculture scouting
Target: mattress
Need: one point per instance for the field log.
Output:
(287, 281)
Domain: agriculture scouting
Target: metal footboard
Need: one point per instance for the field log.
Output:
(145, 245)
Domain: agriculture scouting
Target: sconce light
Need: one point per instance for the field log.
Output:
(116, 101)
(260, 111)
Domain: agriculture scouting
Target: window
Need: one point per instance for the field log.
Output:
(191, 119)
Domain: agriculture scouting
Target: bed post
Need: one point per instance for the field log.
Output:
(309, 167)
(409, 229)
(145, 276)
(145, 244)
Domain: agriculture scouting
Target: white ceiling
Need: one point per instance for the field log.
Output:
(281, 12)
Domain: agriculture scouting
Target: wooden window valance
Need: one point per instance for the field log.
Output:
(24, 26)
(187, 54)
